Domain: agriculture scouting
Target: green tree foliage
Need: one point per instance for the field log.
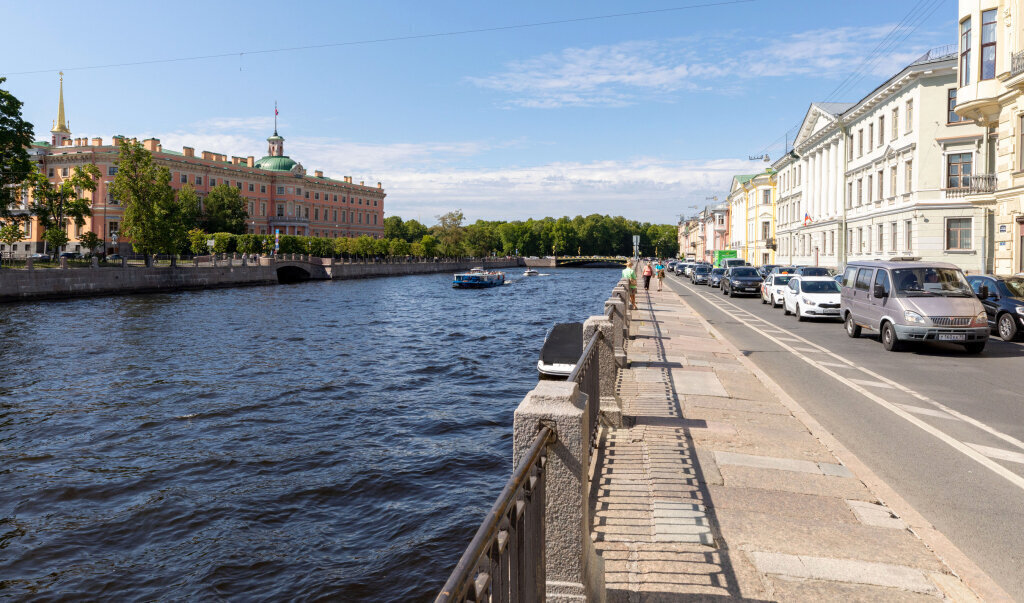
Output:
(224, 210)
(15, 137)
(10, 234)
(224, 242)
(321, 247)
(197, 241)
(414, 231)
(394, 228)
(90, 241)
(58, 205)
(428, 246)
(155, 218)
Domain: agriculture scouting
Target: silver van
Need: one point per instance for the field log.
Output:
(907, 300)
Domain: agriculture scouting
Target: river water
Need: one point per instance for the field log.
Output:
(329, 440)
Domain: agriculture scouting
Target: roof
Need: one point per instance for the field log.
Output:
(170, 152)
(834, 108)
(281, 163)
(940, 53)
(41, 143)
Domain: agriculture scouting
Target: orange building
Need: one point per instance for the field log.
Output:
(280, 196)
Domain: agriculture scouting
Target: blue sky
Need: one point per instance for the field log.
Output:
(644, 115)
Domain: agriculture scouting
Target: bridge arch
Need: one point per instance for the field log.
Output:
(291, 273)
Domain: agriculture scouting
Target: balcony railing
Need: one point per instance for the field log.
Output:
(770, 243)
(978, 184)
(1017, 63)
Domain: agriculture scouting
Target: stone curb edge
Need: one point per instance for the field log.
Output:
(972, 575)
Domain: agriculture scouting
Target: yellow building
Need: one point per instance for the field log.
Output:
(751, 204)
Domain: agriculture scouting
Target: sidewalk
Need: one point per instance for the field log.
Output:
(719, 491)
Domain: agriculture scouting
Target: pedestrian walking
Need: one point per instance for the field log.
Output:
(660, 271)
(648, 273)
(629, 273)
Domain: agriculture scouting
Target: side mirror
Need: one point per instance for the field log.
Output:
(983, 292)
(880, 292)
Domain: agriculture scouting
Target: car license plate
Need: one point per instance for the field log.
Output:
(952, 337)
(751, 288)
(831, 311)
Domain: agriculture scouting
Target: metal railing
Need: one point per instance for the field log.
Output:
(506, 561)
(587, 374)
(1017, 63)
(978, 184)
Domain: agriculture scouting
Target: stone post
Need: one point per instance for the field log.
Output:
(95, 262)
(574, 570)
(124, 262)
(618, 318)
(28, 264)
(63, 263)
(195, 262)
(610, 407)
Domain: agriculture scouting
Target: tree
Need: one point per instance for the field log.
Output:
(15, 137)
(428, 246)
(399, 247)
(55, 205)
(224, 210)
(198, 241)
(394, 228)
(414, 231)
(10, 234)
(90, 241)
(155, 219)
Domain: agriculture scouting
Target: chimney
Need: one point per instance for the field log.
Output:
(250, 161)
(318, 173)
(348, 179)
(362, 183)
(378, 185)
(118, 140)
(97, 142)
(188, 151)
(151, 144)
(207, 155)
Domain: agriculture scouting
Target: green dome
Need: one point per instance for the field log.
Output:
(278, 164)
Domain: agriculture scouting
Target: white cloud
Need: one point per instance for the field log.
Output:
(625, 73)
(423, 180)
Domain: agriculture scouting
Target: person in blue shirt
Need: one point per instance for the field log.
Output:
(659, 269)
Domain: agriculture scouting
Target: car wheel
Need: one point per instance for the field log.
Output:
(763, 300)
(732, 292)
(724, 292)
(975, 347)
(1007, 327)
(852, 328)
(799, 316)
(785, 308)
(889, 340)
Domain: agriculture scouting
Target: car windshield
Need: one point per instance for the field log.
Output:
(744, 272)
(946, 282)
(782, 280)
(718, 271)
(1015, 285)
(819, 286)
(813, 271)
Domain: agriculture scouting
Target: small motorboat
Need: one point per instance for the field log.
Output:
(478, 278)
(530, 272)
(562, 349)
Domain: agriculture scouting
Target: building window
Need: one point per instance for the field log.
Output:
(910, 117)
(766, 230)
(895, 123)
(965, 52)
(881, 191)
(316, 196)
(64, 172)
(881, 237)
(335, 212)
(49, 172)
(307, 194)
(238, 184)
(860, 142)
(252, 187)
(112, 170)
(908, 235)
(360, 218)
(263, 209)
(958, 233)
(374, 219)
(860, 191)
(892, 236)
(892, 181)
(280, 210)
(305, 213)
(849, 195)
(958, 170)
(908, 177)
(766, 197)
(263, 188)
(988, 44)
(1020, 140)
(316, 213)
(881, 130)
(867, 239)
(951, 116)
(298, 191)
(199, 180)
(280, 190)
(870, 189)
(871, 135)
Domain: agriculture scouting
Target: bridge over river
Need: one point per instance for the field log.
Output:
(577, 261)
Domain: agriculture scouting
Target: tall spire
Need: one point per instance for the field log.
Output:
(275, 118)
(61, 126)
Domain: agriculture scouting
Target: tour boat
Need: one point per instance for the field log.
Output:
(562, 349)
(530, 272)
(478, 278)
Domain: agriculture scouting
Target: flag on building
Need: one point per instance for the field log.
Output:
(807, 218)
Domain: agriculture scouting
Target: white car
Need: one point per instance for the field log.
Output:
(773, 289)
(811, 296)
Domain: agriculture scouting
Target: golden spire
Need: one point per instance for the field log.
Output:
(61, 126)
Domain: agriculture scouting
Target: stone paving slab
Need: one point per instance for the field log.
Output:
(715, 490)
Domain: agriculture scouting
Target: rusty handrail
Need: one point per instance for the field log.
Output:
(464, 577)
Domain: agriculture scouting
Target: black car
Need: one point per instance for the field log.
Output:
(715, 277)
(700, 273)
(1003, 299)
(813, 271)
(766, 269)
(741, 280)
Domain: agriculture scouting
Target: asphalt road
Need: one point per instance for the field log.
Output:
(942, 428)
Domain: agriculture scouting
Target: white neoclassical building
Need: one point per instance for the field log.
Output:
(887, 176)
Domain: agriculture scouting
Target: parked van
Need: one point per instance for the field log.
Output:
(909, 300)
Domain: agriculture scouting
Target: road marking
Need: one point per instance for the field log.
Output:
(956, 444)
(998, 453)
(836, 364)
(931, 412)
(872, 383)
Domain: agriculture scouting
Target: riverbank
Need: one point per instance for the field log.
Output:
(64, 283)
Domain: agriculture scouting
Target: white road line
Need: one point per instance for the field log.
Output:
(836, 364)
(872, 383)
(961, 447)
(998, 453)
(931, 412)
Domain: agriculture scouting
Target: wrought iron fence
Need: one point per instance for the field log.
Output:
(587, 374)
(505, 561)
(1017, 63)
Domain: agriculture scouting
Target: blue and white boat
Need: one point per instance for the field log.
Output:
(478, 278)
